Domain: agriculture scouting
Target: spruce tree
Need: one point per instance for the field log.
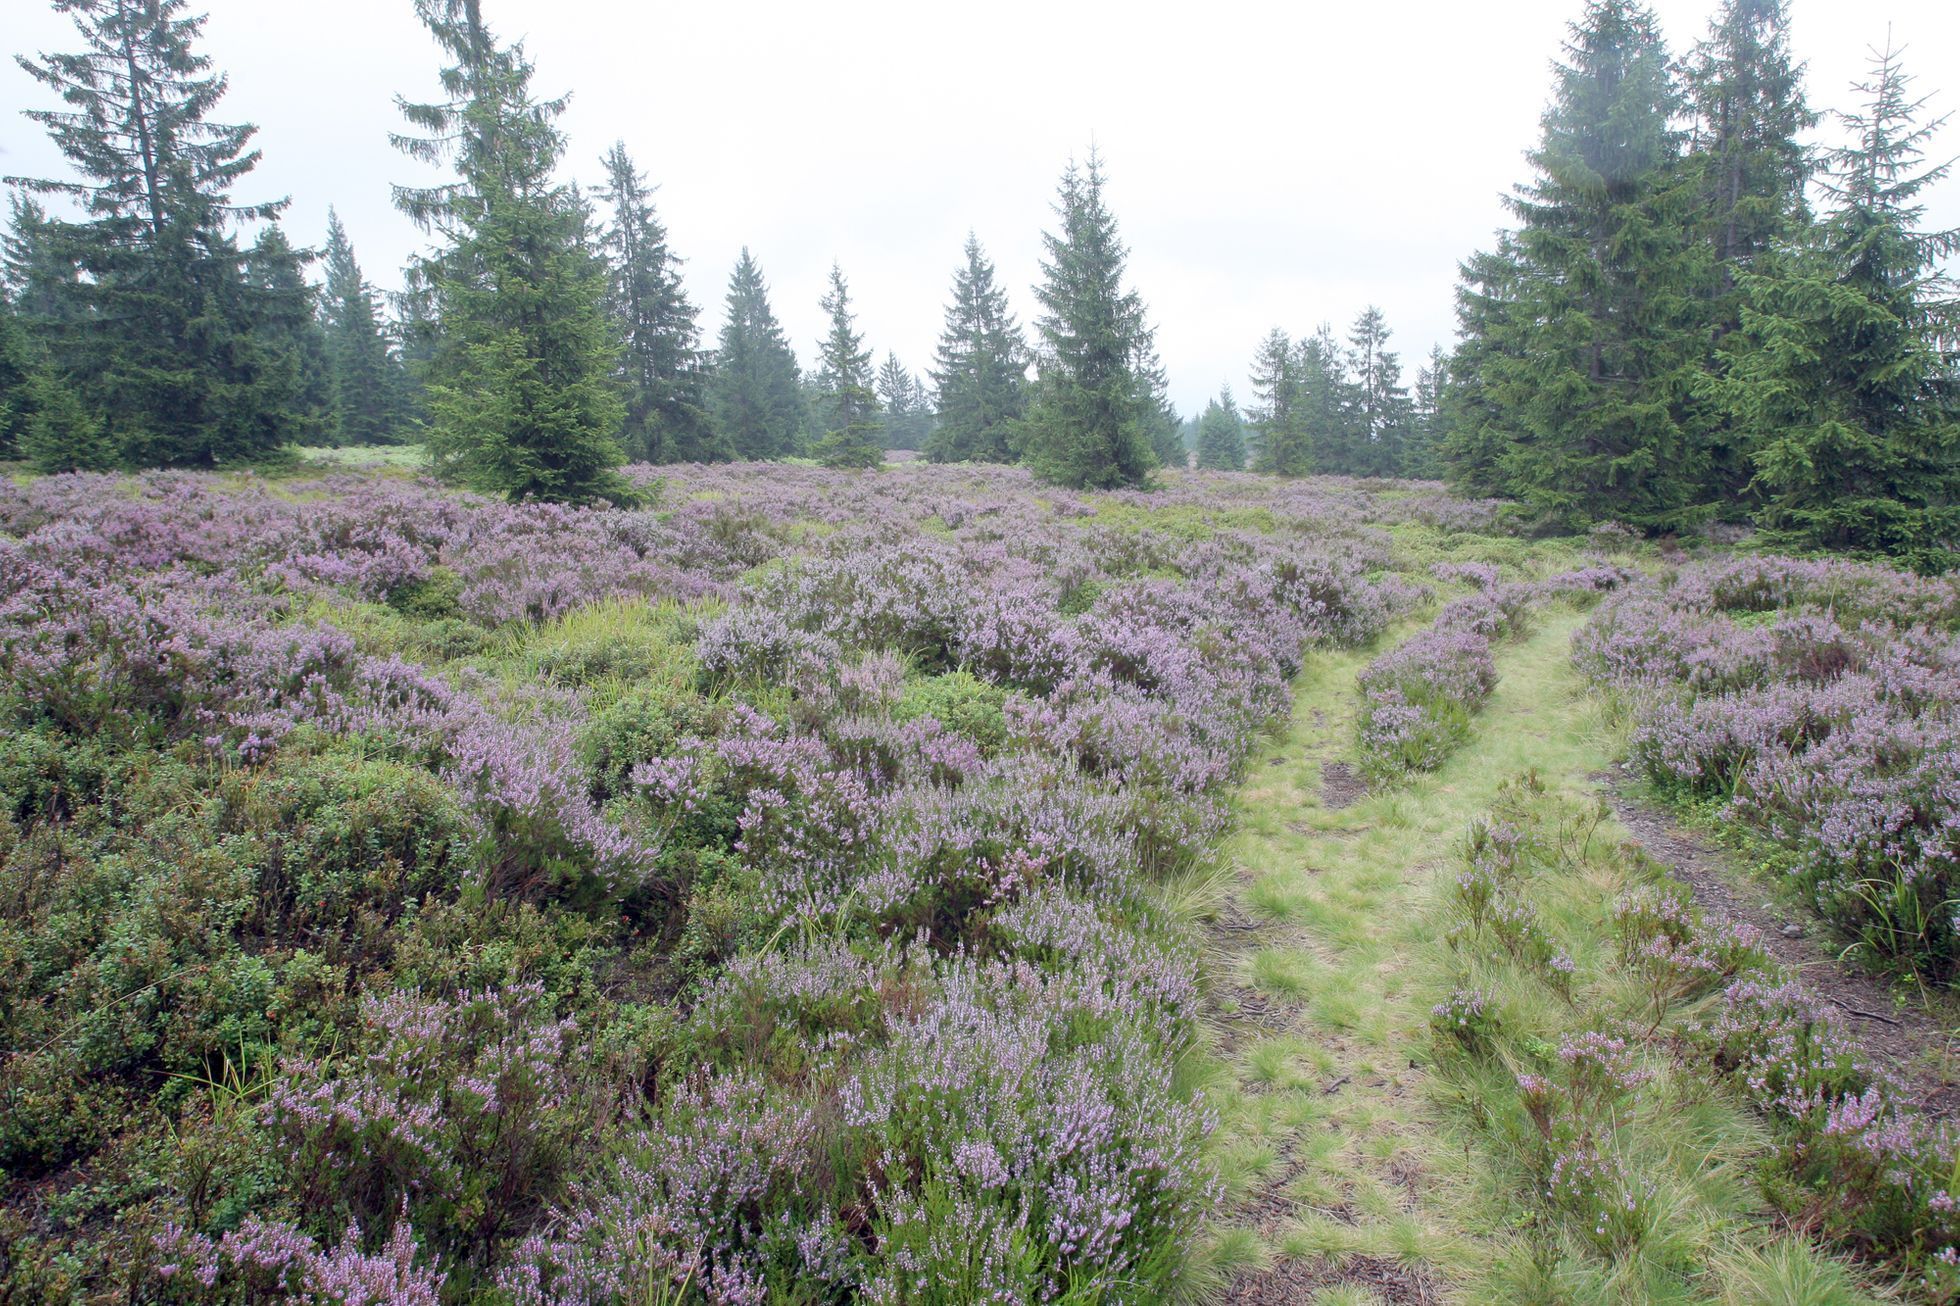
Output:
(1841, 382)
(290, 330)
(846, 403)
(1165, 427)
(907, 414)
(161, 342)
(369, 389)
(1749, 168)
(521, 381)
(1278, 414)
(755, 398)
(1476, 430)
(1379, 411)
(924, 422)
(1589, 390)
(60, 433)
(1221, 435)
(1320, 365)
(17, 369)
(666, 407)
(981, 376)
(32, 298)
(39, 275)
(1746, 158)
(1093, 414)
(1422, 451)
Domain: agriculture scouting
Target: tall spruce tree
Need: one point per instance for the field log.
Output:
(1750, 168)
(847, 403)
(1746, 157)
(1278, 414)
(1326, 407)
(1842, 381)
(1477, 429)
(755, 399)
(369, 389)
(290, 329)
(520, 383)
(981, 374)
(17, 370)
(1165, 427)
(1379, 411)
(31, 297)
(925, 422)
(666, 407)
(1422, 451)
(1589, 392)
(1093, 413)
(165, 345)
(37, 272)
(1221, 435)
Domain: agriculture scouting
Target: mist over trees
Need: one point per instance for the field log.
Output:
(1693, 315)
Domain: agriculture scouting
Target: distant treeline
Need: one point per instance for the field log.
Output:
(1695, 316)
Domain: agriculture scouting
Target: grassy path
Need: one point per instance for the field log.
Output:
(1353, 1185)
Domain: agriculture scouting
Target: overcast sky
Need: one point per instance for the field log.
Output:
(1269, 164)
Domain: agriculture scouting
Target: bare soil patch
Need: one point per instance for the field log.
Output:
(1293, 1282)
(1340, 786)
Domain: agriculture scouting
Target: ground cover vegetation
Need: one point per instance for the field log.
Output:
(589, 828)
(764, 894)
(1813, 702)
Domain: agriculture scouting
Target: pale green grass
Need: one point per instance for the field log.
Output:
(410, 457)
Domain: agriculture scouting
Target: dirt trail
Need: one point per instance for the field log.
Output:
(1903, 1037)
(1344, 1193)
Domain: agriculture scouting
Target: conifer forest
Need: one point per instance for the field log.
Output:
(521, 787)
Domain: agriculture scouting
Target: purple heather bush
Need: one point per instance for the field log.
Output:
(1851, 1152)
(803, 951)
(1816, 703)
(265, 1261)
(1418, 698)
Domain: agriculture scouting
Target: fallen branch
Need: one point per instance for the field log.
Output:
(1860, 1011)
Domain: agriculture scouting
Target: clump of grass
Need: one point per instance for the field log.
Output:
(1629, 1174)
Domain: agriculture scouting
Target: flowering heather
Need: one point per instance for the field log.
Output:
(276, 1262)
(1820, 703)
(1418, 698)
(751, 894)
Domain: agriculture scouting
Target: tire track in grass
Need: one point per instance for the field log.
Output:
(1346, 1191)
(1349, 1183)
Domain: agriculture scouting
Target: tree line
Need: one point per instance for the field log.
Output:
(1693, 315)
(544, 340)
(1328, 405)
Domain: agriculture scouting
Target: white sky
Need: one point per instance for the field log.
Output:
(1270, 164)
